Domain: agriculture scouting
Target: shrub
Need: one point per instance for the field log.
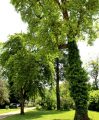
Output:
(48, 102)
(67, 102)
(94, 100)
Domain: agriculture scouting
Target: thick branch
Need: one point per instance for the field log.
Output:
(79, 21)
(64, 10)
(63, 46)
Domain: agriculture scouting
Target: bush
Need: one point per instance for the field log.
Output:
(38, 107)
(94, 100)
(67, 103)
(48, 102)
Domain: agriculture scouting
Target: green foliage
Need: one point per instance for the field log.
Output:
(4, 91)
(49, 100)
(48, 22)
(67, 102)
(26, 73)
(13, 61)
(94, 100)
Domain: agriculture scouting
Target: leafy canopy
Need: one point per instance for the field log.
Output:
(46, 20)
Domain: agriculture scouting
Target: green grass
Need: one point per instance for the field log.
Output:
(50, 115)
(94, 115)
(7, 110)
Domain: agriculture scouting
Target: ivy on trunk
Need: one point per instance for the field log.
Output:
(78, 82)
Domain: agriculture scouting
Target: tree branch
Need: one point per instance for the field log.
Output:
(62, 46)
(64, 10)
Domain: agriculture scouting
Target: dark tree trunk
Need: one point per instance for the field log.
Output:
(22, 107)
(22, 100)
(57, 84)
(81, 116)
(78, 82)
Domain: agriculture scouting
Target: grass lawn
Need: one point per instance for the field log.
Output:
(7, 110)
(50, 115)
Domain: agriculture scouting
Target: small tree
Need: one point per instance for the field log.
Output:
(19, 66)
(27, 73)
(14, 59)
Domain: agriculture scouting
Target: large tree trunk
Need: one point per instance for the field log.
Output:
(81, 115)
(57, 84)
(78, 82)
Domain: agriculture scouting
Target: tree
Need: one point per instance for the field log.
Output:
(13, 60)
(94, 72)
(4, 91)
(56, 22)
(26, 73)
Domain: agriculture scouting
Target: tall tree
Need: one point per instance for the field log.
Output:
(56, 22)
(94, 72)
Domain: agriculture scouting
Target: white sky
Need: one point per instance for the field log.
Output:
(10, 23)
(89, 52)
(10, 20)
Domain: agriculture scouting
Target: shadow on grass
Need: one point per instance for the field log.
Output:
(33, 115)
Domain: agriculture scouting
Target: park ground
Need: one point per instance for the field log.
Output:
(48, 115)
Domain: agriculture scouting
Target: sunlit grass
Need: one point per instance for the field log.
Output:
(8, 110)
(50, 115)
(94, 115)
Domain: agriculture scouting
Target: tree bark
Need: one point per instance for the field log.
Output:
(81, 116)
(22, 100)
(57, 84)
(22, 107)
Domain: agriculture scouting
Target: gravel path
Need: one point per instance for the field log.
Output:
(4, 115)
